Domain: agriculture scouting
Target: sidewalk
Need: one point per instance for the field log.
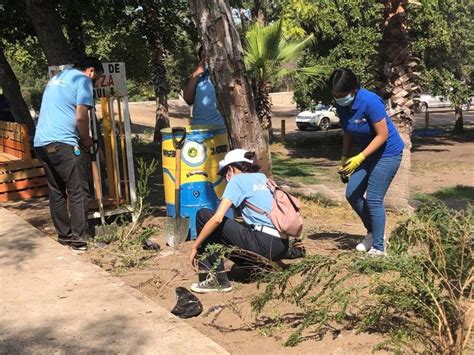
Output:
(53, 301)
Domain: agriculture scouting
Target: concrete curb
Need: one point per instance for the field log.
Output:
(53, 301)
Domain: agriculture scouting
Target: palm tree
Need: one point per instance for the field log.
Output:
(397, 77)
(268, 58)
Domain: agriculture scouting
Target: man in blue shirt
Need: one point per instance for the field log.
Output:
(63, 127)
(200, 92)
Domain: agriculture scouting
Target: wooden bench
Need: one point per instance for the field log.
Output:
(21, 176)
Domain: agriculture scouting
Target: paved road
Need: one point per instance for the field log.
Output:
(143, 116)
(288, 113)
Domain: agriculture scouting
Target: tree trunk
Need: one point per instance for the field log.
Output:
(11, 89)
(263, 105)
(75, 32)
(47, 26)
(459, 125)
(243, 20)
(399, 191)
(258, 12)
(162, 116)
(396, 84)
(157, 68)
(234, 93)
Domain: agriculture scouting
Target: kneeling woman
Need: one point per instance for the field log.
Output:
(259, 235)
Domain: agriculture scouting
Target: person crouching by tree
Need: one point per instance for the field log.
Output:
(366, 124)
(63, 127)
(259, 235)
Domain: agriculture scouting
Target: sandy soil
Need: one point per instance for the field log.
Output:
(227, 318)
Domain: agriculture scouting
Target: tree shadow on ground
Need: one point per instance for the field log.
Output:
(106, 335)
(35, 211)
(15, 249)
(140, 129)
(342, 241)
(316, 157)
(428, 140)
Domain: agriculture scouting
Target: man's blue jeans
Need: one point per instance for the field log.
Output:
(372, 179)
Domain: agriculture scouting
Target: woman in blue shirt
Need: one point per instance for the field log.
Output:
(259, 235)
(368, 127)
(200, 92)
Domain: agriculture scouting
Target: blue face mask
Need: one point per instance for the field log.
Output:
(346, 100)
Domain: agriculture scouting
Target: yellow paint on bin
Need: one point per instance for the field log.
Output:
(204, 147)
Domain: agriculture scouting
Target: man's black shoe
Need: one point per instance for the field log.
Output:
(65, 240)
(78, 244)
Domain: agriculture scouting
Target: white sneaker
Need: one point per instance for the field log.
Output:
(376, 252)
(211, 285)
(366, 243)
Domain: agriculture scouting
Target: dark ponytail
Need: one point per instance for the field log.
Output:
(343, 80)
(247, 167)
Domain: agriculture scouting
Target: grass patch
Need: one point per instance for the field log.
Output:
(317, 198)
(460, 195)
(299, 170)
(460, 192)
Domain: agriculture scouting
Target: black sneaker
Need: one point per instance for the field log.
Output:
(65, 240)
(210, 284)
(78, 244)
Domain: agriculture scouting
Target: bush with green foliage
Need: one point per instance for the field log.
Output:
(347, 35)
(127, 239)
(420, 295)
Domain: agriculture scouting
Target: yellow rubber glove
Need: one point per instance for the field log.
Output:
(352, 164)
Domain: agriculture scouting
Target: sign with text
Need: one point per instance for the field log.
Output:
(112, 82)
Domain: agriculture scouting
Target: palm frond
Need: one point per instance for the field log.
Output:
(267, 51)
(293, 49)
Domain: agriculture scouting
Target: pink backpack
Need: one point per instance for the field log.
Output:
(285, 213)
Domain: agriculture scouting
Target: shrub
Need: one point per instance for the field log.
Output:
(419, 295)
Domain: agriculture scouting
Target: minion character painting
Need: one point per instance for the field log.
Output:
(201, 186)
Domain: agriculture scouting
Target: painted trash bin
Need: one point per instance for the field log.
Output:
(201, 186)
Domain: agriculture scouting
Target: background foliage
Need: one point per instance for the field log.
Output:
(345, 34)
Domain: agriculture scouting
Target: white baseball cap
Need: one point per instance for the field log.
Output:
(234, 156)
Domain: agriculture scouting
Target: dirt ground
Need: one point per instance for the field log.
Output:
(437, 162)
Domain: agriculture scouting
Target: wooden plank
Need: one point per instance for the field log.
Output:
(106, 129)
(13, 165)
(16, 153)
(123, 151)
(5, 158)
(4, 125)
(19, 195)
(128, 141)
(13, 136)
(12, 126)
(22, 174)
(14, 145)
(115, 161)
(26, 142)
(8, 157)
(108, 203)
(23, 184)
